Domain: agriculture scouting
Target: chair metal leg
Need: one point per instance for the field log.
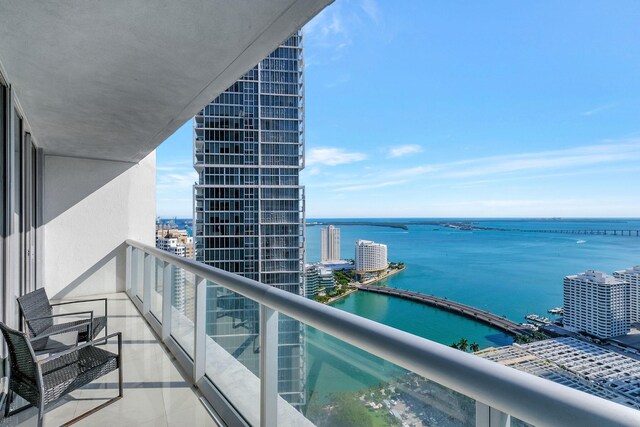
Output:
(41, 413)
(7, 403)
(91, 411)
(7, 409)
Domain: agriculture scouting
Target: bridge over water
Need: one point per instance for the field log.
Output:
(508, 326)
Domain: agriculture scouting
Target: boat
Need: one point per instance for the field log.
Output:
(557, 310)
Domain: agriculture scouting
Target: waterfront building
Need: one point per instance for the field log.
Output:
(249, 204)
(576, 364)
(79, 122)
(329, 244)
(370, 256)
(311, 281)
(632, 277)
(596, 303)
(318, 277)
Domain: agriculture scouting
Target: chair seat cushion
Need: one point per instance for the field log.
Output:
(72, 371)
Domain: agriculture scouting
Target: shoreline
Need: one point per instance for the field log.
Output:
(382, 277)
(357, 285)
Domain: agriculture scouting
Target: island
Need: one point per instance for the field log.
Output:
(348, 282)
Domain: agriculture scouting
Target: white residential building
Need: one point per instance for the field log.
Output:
(370, 256)
(632, 277)
(175, 245)
(317, 277)
(596, 303)
(80, 119)
(329, 244)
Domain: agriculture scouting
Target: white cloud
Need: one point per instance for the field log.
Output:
(175, 183)
(331, 32)
(416, 171)
(578, 157)
(365, 187)
(403, 150)
(370, 7)
(597, 110)
(331, 156)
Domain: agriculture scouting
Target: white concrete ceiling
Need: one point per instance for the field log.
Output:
(112, 79)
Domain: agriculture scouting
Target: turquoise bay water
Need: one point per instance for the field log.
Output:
(507, 273)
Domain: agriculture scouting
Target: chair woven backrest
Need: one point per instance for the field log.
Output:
(22, 361)
(36, 304)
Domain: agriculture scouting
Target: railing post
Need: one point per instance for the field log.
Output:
(167, 296)
(128, 271)
(146, 290)
(135, 268)
(486, 416)
(200, 329)
(268, 367)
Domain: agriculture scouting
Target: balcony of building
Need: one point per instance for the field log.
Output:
(87, 92)
(181, 367)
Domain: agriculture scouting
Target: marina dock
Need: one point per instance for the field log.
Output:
(508, 326)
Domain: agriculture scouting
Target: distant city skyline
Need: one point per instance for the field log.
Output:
(461, 110)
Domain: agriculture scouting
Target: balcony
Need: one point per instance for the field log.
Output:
(79, 122)
(431, 382)
(181, 369)
(156, 392)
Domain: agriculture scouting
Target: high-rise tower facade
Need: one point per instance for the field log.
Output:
(329, 244)
(632, 277)
(249, 204)
(596, 303)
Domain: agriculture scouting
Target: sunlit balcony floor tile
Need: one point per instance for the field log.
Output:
(155, 392)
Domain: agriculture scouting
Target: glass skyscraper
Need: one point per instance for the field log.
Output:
(249, 205)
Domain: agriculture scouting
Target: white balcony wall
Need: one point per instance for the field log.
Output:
(90, 208)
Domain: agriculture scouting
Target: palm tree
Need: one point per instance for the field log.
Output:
(474, 347)
(454, 345)
(463, 344)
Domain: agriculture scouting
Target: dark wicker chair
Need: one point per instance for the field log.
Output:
(39, 317)
(42, 382)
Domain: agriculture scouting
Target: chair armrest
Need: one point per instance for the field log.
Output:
(61, 331)
(84, 300)
(76, 348)
(79, 301)
(60, 315)
(89, 323)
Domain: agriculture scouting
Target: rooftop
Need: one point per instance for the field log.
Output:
(597, 277)
(577, 364)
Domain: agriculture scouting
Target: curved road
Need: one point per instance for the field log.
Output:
(493, 320)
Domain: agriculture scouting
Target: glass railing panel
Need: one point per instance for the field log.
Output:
(515, 422)
(348, 386)
(183, 294)
(138, 258)
(233, 349)
(157, 285)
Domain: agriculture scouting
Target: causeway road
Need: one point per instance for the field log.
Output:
(498, 322)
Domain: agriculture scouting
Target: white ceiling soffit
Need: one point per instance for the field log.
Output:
(113, 79)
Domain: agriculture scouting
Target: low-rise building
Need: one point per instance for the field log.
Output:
(177, 242)
(577, 364)
(318, 277)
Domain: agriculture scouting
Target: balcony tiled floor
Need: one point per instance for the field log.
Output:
(155, 393)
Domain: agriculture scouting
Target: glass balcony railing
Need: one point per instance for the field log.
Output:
(265, 357)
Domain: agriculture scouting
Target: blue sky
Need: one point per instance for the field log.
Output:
(461, 109)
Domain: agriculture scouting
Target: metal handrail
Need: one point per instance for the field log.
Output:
(532, 399)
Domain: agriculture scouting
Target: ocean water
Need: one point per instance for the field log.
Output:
(507, 273)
